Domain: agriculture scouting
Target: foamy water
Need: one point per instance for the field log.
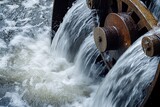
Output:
(65, 73)
(31, 73)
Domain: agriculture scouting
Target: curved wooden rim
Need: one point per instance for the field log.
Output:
(146, 18)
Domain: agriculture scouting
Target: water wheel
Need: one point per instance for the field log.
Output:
(126, 21)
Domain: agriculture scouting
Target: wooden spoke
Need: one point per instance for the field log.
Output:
(140, 24)
(146, 17)
(129, 10)
(119, 6)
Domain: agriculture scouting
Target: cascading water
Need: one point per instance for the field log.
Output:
(34, 73)
(79, 40)
(76, 26)
(126, 83)
(155, 8)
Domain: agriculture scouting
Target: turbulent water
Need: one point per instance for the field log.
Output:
(155, 8)
(74, 39)
(35, 73)
(126, 83)
(65, 73)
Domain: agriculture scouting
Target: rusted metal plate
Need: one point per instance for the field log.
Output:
(125, 25)
(127, 31)
(117, 34)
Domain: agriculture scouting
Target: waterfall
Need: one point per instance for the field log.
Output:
(36, 73)
(74, 39)
(77, 25)
(155, 8)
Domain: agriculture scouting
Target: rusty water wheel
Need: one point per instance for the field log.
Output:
(123, 25)
(126, 21)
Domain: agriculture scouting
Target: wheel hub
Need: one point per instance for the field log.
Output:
(151, 45)
(117, 34)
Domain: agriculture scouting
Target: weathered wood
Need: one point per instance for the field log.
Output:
(151, 45)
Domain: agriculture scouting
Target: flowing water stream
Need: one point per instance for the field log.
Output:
(126, 83)
(65, 73)
(34, 72)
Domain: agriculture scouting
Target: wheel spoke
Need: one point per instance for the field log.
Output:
(119, 6)
(129, 10)
(140, 24)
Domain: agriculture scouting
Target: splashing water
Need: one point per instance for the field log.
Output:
(126, 84)
(155, 8)
(76, 26)
(36, 73)
(31, 73)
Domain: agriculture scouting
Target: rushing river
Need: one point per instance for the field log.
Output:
(38, 72)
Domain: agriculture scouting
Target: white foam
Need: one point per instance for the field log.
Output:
(2, 44)
(10, 23)
(12, 7)
(30, 3)
(42, 78)
(16, 99)
(45, 78)
(4, 1)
